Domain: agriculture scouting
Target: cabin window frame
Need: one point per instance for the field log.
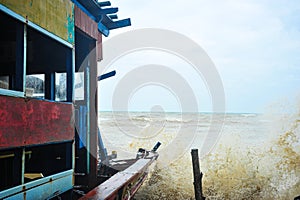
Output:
(21, 51)
(16, 87)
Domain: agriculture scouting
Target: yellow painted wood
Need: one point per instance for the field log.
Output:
(33, 175)
(7, 156)
(56, 16)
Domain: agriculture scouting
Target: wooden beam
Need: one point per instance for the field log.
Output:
(104, 3)
(50, 86)
(70, 65)
(197, 175)
(20, 75)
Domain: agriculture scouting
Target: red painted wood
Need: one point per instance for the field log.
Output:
(109, 189)
(85, 23)
(99, 47)
(90, 27)
(27, 121)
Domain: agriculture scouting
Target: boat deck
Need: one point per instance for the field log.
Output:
(120, 165)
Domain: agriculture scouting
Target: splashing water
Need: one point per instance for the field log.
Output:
(247, 163)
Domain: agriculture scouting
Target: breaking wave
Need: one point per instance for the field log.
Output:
(268, 169)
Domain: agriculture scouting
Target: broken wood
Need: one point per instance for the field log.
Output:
(197, 175)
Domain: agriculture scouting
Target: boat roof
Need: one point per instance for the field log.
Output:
(103, 14)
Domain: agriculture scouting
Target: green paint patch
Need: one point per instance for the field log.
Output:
(70, 26)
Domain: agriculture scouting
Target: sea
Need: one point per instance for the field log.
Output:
(242, 155)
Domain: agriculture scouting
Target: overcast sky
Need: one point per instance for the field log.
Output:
(254, 44)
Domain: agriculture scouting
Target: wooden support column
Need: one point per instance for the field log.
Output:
(50, 86)
(70, 65)
(197, 175)
(88, 121)
(93, 138)
(18, 166)
(23, 166)
(99, 47)
(69, 152)
(19, 80)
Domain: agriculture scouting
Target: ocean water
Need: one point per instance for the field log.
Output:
(255, 156)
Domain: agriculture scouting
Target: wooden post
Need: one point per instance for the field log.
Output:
(197, 175)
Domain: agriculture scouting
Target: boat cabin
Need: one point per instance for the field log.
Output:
(48, 95)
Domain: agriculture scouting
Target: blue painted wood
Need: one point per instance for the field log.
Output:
(43, 188)
(103, 29)
(88, 119)
(119, 24)
(70, 65)
(18, 79)
(50, 86)
(107, 75)
(11, 93)
(113, 16)
(105, 11)
(100, 15)
(104, 3)
(82, 126)
(51, 35)
(102, 149)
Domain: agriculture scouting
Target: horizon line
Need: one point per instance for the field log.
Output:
(202, 112)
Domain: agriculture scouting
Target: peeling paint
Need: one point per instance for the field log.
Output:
(70, 26)
(56, 16)
(34, 122)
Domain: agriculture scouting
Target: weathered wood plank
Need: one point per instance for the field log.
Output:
(197, 175)
(56, 16)
(27, 121)
(109, 189)
(85, 23)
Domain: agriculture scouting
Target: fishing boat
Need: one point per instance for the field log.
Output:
(50, 143)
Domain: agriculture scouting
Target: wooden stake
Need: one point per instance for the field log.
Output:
(197, 175)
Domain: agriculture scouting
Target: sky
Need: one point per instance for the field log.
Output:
(254, 45)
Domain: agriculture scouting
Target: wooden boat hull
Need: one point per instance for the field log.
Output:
(124, 184)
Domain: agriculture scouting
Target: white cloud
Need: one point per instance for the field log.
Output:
(254, 44)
